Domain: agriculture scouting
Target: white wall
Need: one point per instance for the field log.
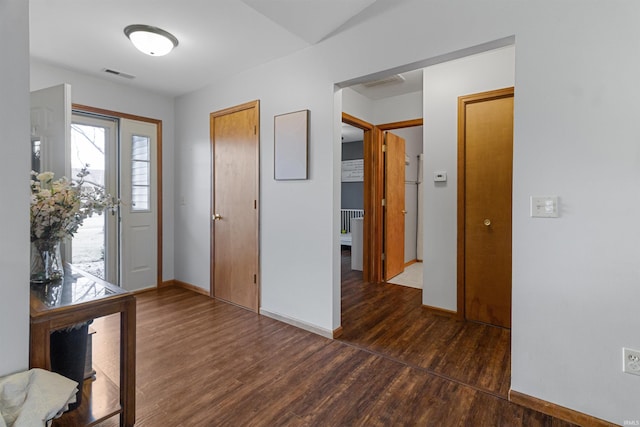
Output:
(357, 105)
(443, 84)
(14, 170)
(109, 95)
(386, 110)
(575, 279)
(398, 108)
(298, 247)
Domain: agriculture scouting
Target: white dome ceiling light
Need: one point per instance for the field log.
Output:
(151, 40)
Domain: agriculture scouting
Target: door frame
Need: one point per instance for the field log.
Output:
(247, 105)
(112, 238)
(372, 234)
(373, 223)
(158, 123)
(462, 103)
(380, 174)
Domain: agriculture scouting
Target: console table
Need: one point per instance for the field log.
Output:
(79, 298)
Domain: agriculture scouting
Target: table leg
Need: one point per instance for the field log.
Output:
(39, 346)
(128, 364)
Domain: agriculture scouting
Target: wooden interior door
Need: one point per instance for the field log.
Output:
(234, 135)
(486, 149)
(394, 205)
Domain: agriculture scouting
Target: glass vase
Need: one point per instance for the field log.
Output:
(46, 261)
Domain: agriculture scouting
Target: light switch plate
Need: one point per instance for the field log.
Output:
(544, 207)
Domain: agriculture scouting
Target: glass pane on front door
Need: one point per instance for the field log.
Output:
(88, 150)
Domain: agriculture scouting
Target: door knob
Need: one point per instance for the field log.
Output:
(217, 217)
(404, 212)
(487, 222)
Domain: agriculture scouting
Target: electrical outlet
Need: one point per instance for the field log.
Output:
(631, 361)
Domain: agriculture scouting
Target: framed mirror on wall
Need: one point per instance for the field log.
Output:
(291, 141)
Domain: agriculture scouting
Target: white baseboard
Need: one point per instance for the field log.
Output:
(298, 323)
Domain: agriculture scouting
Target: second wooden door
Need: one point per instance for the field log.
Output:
(394, 211)
(234, 134)
(486, 150)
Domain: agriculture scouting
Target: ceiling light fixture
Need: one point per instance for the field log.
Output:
(151, 40)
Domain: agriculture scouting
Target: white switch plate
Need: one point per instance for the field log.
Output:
(439, 176)
(544, 206)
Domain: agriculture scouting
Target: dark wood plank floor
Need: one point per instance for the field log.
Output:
(203, 362)
(391, 320)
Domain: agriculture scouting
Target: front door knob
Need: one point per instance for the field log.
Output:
(487, 222)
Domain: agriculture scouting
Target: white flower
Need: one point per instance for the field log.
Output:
(59, 207)
(45, 177)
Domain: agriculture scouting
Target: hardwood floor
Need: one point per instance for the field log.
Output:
(391, 320)
(202, 362)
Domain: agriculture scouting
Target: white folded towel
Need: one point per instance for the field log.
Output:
(35, 397)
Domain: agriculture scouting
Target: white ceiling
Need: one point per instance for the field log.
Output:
(312, 20)
(409, 82)
(217, 38)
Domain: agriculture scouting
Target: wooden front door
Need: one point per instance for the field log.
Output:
(235, 263)
(394, 205)
(484, 224)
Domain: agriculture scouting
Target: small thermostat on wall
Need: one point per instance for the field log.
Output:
(439, 176)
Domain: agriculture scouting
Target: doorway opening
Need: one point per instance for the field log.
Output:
(123, 155)
(403, 212)
(390, 226)
(358, 237)
(424, 329)
(94, 146)
(366, 182)
(381, 214)
(352, 196)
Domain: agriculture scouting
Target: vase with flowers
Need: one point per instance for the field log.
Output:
(58, 208)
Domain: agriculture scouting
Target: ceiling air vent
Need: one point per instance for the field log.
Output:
(119, 73)
(396, 78)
